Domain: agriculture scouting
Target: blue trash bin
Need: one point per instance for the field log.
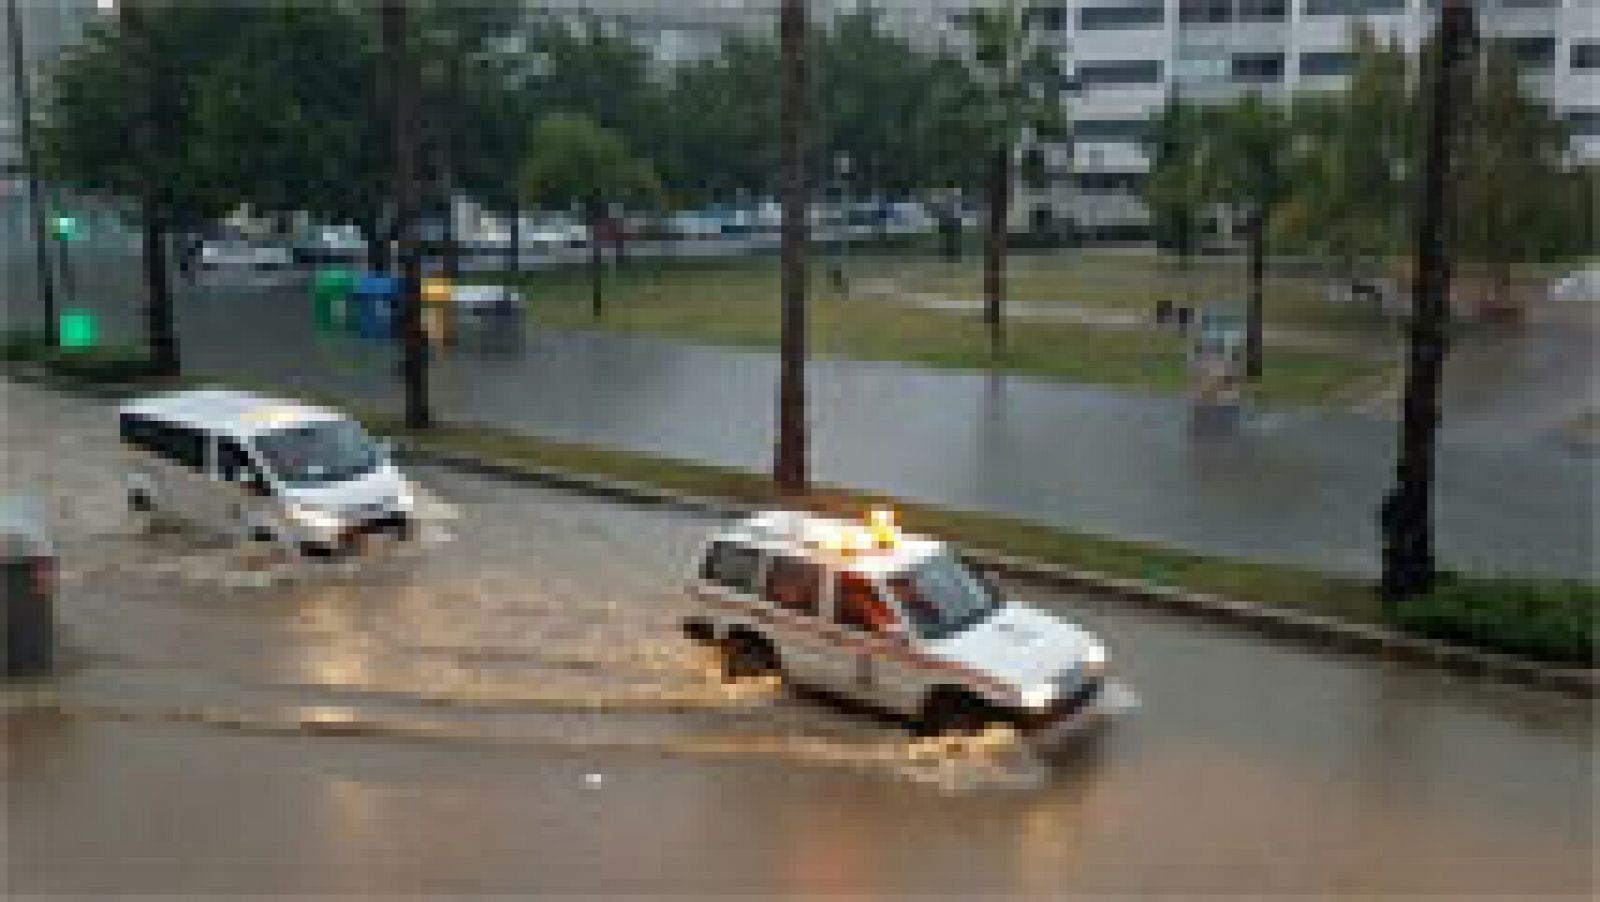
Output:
(375, 301)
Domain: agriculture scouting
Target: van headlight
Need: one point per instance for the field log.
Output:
(1039, 696)
(316, 518)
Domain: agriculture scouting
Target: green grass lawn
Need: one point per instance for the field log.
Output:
(735, 303)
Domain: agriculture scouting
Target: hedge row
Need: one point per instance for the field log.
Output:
(1546, 620)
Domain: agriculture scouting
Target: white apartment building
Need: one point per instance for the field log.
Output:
(1124, 58)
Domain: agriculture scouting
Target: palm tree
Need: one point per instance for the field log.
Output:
(1020, 81)
(1407, 514)
(403, 123)
(789, 466)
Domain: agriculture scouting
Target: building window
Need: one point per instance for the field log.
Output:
(1263, 10)
(1203, 12)
(1257, 68)
(1531, 52)
(1353, 7)
(1584, 123)
(1119, 72)
(1106, 18)
(1586, 56)
(1326, 63)
(1088, 131)
(1048, 18)
(1530, 4)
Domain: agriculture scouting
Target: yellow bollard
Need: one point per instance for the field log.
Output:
(436, 296)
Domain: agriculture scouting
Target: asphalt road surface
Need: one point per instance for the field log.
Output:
(505, 707)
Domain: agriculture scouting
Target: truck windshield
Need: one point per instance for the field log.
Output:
(942, 597)
(318, 453)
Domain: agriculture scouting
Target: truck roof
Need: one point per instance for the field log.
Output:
(236, 413)
(838, 543)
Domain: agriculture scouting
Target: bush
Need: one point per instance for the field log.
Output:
(1550, 621)
(101, 364)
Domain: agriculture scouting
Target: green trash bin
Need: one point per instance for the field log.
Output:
(330, 298)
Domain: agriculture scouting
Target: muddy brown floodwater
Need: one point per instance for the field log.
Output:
(507, 707)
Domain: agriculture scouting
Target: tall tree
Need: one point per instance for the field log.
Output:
(21, 84)
(404, 123)
(576, 162)
(1353, 162)
(1511, 173)
(119, 124)
(1251, 160)
(789, 465)
(1020, 80)
(1407, 515)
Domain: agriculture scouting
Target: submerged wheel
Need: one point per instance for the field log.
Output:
(954, 714)
(745, 656)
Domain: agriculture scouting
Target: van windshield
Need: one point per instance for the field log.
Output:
(318, 453)
(942, 597)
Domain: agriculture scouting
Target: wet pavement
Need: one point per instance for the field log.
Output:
(506, 707)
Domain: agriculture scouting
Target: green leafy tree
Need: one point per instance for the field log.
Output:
(1018, 85)
(1354, 163)
(123, 107)
(1251, 164)
(1511, 207)
(575, 162)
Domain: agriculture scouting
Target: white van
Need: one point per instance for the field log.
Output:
(261, 468)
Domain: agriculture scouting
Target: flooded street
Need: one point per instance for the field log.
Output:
(506, 706)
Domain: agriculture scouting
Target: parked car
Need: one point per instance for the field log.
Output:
(238, 254)
(28, 555)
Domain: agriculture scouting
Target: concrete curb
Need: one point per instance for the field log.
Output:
(1298, 626)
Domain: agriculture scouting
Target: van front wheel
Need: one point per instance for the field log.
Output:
(745, 656)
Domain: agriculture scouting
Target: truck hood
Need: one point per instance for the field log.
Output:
(1018, 645)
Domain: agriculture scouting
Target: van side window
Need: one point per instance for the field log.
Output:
(734, 566)
(233, 461)
(856, 604)
(794, 584)
(177, 444)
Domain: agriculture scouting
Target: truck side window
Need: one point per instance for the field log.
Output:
(856, 604)
(794, 584)
(734, 566)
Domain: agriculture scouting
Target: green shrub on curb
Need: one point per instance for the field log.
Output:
(106, 364)
(1546, 620)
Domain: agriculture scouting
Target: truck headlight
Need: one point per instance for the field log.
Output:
(1039, 696)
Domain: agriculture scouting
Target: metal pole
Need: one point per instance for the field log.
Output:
(30, 161)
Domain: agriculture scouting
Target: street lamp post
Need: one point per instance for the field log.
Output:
(30, 162)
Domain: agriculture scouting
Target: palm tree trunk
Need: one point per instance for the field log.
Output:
(789, 466)
(159, 329)
(597, 263)
(403, 125)
(994, 249)
(1258, 267)
(1407, 513)
(514, 248)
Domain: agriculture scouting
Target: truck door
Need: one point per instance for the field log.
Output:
(880, 667)
(806, 642)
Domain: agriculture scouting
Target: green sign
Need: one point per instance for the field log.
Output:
(66, 228)
(78, 329)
